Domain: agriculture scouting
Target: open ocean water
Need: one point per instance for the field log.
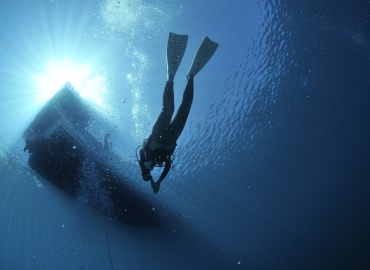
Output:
(272, 170)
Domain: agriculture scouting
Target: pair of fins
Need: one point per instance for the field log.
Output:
(175, 51)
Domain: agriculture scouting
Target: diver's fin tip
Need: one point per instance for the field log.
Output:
(203, 55)
(175, 51)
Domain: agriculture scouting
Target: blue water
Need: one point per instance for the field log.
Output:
(272, 170)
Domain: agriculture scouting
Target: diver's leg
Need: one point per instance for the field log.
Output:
(182, 114)
(165, 116)
(175, 51)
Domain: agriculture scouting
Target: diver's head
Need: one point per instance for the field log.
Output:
(149, 165)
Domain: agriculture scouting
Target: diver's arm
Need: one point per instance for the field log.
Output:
(156, 185)
(144, 171)
(167, 168)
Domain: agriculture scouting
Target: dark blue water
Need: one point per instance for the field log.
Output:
(272, 170)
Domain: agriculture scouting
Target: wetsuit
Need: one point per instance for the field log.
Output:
(161, 144)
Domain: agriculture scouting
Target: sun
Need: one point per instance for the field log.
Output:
(84, 79)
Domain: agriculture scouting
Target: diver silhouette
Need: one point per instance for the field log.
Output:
(161, 144)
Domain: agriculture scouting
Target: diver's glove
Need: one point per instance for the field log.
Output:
(147, 177)
(155, 185)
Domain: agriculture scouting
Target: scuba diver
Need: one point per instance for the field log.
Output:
(161, 144)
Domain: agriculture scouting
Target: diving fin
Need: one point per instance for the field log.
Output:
(204, 53)
(175, 51)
